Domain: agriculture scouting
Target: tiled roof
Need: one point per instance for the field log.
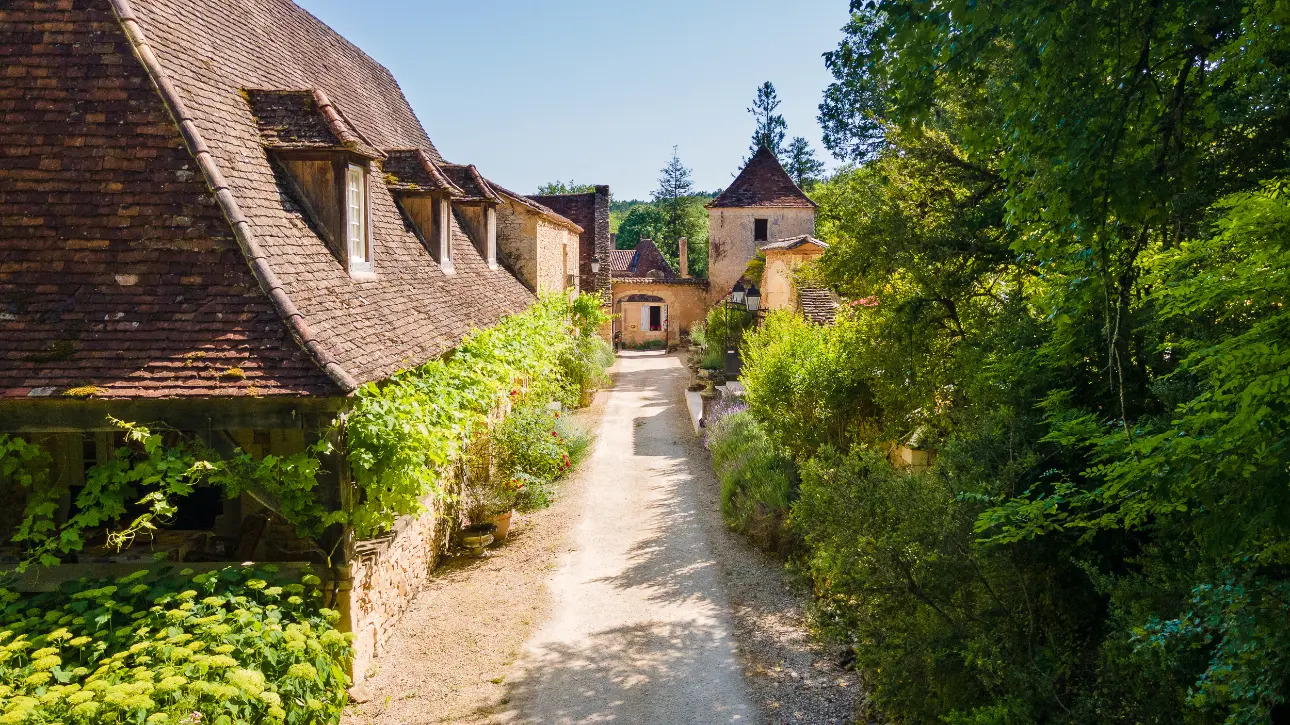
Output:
(817, 304)
(793, 243)
(116, 269)
(414, 170)
(763, 182)
(642, 261)
(620, 260)
(466, 177)
(547, 212)
(304, 120)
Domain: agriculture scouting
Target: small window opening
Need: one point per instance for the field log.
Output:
(760, 230)
(444, 219)
(655, 318)
(358, 244)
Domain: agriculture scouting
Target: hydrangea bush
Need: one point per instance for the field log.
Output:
(236, 645)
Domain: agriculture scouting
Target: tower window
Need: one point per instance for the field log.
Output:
(760, 230)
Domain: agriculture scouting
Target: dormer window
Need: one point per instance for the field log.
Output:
(359, 241)
(324, 162)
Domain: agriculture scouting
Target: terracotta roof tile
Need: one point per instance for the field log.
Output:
(119, 269)
(414, 170)
(793, 243)
(620, 260)
(118, 275)
(304, 119)
(817, 304)
(762, 182)
(467, 178)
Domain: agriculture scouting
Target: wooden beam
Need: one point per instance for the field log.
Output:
(74, 416)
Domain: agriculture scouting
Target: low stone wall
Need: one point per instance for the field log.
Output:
(384, 577)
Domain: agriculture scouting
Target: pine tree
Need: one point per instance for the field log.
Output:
(771, 126)
(673, 188)
(801, 164)
(674, 199)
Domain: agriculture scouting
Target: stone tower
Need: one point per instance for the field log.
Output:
(760, 206)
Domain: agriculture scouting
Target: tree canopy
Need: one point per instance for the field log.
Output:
(1066, 250)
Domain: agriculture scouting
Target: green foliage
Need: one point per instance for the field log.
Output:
(1067, 251)
(651, 221)
(229, 646)
(150, 471)
(403, 433)
(808, 383)
(553, 188)
(401, 436)
(758, 479)
(801, 164)
(770, 125)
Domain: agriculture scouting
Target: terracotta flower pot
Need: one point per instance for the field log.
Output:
(503, 524)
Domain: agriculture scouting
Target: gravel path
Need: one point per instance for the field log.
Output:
(650, 611)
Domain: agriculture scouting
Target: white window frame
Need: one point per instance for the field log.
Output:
(358, 230)
(445, 234)
(490, 236)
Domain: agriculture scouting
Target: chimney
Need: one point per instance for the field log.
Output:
(683, 255)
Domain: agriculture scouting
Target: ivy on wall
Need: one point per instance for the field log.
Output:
(400, 434)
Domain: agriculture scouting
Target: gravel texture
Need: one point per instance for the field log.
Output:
(650, 610)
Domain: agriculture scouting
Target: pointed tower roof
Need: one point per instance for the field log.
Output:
(763, 182)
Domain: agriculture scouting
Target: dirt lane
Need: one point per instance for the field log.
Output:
(640, 629)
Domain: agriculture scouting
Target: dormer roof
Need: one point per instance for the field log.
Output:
(203, 275)
(305, 120)
(762, 183)
(468, 179)
(412, 170)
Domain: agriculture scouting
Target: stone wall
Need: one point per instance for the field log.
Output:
(539, 252)
(591, 212)
(556, 247)
(778, 281)
(731, 245)
(384, 577)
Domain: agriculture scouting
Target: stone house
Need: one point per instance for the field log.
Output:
(780, 286)
(222, 217)
(761, 205)
(652, 303)
(590, 211)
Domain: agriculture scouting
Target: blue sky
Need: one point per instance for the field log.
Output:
(598, 92)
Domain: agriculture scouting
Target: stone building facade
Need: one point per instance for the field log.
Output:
(590, 211)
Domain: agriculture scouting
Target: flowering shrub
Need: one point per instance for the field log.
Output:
(236, 645)
(534, 448)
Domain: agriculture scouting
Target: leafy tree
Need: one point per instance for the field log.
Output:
(801, 164)
(645, 221)
(852, 110)
(553, 188)
(771, 126)
(1066, 252)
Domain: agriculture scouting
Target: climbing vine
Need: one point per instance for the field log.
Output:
(401, 437)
